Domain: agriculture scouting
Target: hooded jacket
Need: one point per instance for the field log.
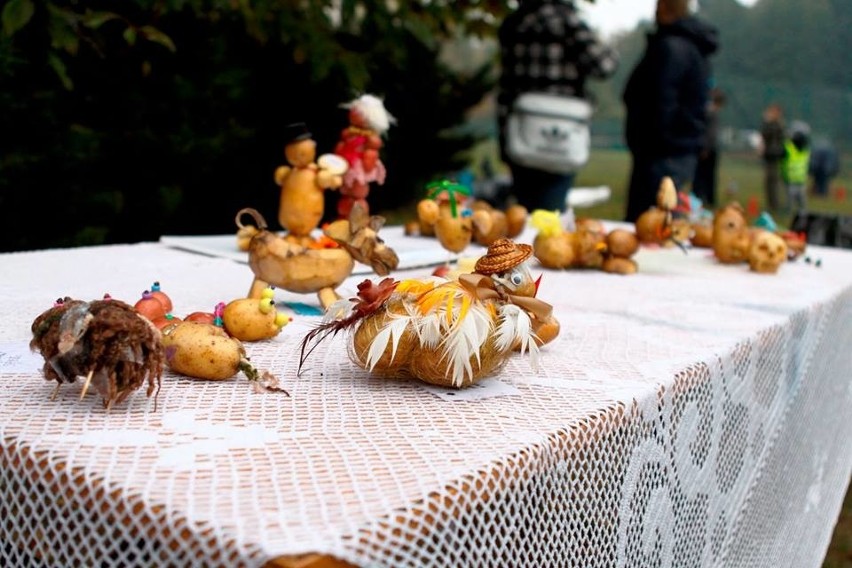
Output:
(666, 95)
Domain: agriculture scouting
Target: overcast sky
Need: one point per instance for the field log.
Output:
(609, 16)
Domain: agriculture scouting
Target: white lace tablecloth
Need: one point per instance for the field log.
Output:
(690, 415)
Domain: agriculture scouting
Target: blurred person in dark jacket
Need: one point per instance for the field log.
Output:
(545, 46)
(772, 137)
(704, 185)
(823, 167)
(666, 100)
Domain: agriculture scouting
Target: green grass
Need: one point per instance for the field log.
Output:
(744, 172)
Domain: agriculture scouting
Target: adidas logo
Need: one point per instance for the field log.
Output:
(554, 135)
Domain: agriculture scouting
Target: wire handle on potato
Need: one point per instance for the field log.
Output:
(255, 214)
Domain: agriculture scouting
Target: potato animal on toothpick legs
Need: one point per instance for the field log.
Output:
(107, 343)
(279, 262)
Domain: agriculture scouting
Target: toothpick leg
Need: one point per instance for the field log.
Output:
(86, 384)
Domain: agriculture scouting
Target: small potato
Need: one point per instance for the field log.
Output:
(622, 243)
(554, 251)
(203, 317)
(253, 319)
(485, 235)
(516, 220)
(649, 226)
(427, 212)
(149, 306)
(165, 320)
(202, 350)
(454, 233)
(702, 235)
(619, 265)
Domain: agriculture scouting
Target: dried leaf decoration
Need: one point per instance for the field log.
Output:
(360, 236)
(371, 298)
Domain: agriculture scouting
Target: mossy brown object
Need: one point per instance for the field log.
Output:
(106, 341)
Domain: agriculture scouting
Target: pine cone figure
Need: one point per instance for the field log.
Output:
(105, 341)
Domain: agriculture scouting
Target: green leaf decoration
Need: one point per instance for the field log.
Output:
(16, 14)
(436, 188)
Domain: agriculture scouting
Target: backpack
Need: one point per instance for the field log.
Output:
(549, 132)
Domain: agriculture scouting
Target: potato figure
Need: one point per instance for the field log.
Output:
(302, 182)
(253, 319)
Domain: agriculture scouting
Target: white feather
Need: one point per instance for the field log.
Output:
(338, 310)
(515, 326)
(392, 331)
(465, 340)
(507, 328)
(429, 331)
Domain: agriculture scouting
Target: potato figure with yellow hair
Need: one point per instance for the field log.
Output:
(450, 333)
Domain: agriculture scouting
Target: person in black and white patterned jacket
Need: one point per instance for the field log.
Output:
(546, 46)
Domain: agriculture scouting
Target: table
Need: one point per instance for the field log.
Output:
(693, 414)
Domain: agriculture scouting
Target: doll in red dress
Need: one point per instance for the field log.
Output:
(359, 144)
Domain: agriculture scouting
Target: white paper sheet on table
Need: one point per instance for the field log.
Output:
(413, 252)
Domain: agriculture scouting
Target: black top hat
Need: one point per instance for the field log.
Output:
(296, 132)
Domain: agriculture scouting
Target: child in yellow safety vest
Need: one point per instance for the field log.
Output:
(794, 169)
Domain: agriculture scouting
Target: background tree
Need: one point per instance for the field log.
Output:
(123, 122)
(787, 51)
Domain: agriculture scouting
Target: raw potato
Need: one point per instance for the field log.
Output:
(202, 350)
(516, 220)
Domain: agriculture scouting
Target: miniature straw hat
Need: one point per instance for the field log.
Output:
(502, 255)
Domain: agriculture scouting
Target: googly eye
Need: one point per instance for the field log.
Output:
(516, 279)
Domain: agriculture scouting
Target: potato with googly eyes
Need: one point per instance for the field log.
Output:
(254, 319)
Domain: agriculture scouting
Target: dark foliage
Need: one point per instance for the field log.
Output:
(167, 118)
